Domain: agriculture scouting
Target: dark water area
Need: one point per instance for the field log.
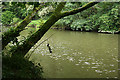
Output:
(78, 55)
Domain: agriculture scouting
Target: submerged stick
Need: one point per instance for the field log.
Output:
(39, 45)
(50, 50)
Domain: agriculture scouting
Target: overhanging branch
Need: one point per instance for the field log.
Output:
(84, 7)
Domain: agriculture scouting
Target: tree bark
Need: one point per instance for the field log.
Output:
(14, 32)
(32, 40)
(86, 6)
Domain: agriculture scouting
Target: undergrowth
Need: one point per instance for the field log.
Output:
(19, 67)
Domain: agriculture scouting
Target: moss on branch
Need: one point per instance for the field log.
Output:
(84, 7)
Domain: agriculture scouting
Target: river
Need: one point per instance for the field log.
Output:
(78, 55)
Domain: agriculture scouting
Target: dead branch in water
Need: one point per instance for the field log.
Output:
(39, 45)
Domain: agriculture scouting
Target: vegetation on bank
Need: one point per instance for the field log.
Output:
(19, 67)
(103, 17)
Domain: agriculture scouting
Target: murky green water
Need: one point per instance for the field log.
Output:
(78, 55)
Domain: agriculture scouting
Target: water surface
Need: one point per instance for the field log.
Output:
(78, 55)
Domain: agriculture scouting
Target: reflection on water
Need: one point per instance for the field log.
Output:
(78, 55)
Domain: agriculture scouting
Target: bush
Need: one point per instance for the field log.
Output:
(78, 24)
(15, 21)
(110, 21)
(19, 67)
(7, 17)
(101, 17)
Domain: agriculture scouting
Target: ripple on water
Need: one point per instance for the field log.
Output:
(79, 60)
(70, 58)
(89, 58)
(118, 60)
(112, 71)
(74, 53)
(87, 63)
(82, 67)
(94, 67)
(48, 54)
(115, 48)
(112, 65)
(119, 69)
(93, 63)
(41, 51)
(55, 58)
(59, 56)
(43, 54)
(79, 53)
(77, 64)
(98, 71)
(97, 65)
(116, 77)
(65, 54)
(105, 70)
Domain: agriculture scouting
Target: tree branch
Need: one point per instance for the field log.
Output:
(35, 37)
(84, 7)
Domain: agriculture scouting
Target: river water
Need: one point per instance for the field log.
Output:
(78, 55)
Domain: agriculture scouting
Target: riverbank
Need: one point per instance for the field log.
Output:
(100, 31)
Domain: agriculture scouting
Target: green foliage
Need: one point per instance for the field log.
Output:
(77, 24)
(66, 21)
(15, 21)
(71, 5)
(107, 18)
(19, 67)
(101, 17)
(7, 17)
(17, 8)
(37, 23)
(110, 21)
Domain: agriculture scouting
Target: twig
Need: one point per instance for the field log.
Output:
(39, 45)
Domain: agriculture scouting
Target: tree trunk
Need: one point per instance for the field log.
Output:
(14, 32)
(32, 40)
(26, 46)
